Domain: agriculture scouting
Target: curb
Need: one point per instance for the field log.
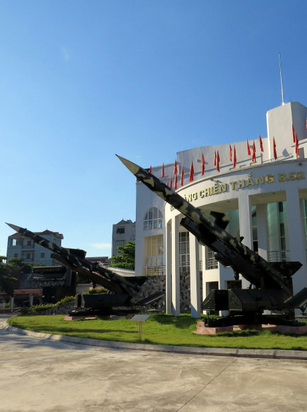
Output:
(247, 353)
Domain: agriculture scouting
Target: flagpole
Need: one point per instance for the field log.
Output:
(281, 84)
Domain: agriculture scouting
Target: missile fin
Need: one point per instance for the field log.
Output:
(287, 268)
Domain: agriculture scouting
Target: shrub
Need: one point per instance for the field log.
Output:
(65, 300)
(97, 290)
(41, 308)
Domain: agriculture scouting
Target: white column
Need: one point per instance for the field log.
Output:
(245, 224)
(194, 277)
(168, 265)
(296, 237)
(175, 268)
(203, 258)
(262, 230)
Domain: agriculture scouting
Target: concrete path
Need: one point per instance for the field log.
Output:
(45, 375)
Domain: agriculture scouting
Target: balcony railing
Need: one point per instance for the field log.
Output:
(211, 263)
(154, 265)
(279, 255)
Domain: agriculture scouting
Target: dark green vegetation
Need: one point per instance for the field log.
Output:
(159, 329)
(7, 274)
(126, 256)
(35, 309)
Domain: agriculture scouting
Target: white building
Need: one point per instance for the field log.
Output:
(19, 246)
(123, 232)
(264, 192)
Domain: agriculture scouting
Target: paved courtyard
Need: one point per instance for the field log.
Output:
(43, 375)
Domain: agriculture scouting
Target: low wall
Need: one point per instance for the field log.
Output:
(156, 283)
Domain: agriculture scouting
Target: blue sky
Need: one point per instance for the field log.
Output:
(82, 80)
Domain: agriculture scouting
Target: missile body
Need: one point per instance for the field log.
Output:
(228, 250)
(95, 271)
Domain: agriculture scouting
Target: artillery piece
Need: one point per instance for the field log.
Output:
(270, 282)
(122, 293)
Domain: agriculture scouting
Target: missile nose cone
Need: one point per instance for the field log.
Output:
(14, 227)
(130, 165)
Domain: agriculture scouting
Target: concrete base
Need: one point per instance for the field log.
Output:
(204, 330)
(80, 317)
(297, 330)
(201, 329)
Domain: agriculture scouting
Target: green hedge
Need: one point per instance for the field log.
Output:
(41, 308)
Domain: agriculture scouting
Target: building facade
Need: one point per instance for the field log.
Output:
(260, 184)
(21, 247)
(123, 232)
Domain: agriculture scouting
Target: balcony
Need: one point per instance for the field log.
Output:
(279, 256)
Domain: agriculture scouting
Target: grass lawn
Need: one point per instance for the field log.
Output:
(158, 329)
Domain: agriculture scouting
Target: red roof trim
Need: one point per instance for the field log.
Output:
(28, 291)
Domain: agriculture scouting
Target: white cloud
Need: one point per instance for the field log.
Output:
(101, 245)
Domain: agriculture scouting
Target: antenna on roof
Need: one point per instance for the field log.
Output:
(281, 85)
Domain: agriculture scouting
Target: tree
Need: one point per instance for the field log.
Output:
(7, 280)
(126, 256)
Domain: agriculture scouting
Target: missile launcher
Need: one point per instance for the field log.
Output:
(121, 289)
(271, 282)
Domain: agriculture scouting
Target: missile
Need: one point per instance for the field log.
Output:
(75, 259)
(210, 232)
(71, 259)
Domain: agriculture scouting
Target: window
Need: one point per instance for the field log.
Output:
(27, 256)
(120, 230)
(154, 255)
(184, 252)
(42, 255)
(211, 262)
(277, 232)
(254, 228)
(153, 219)
(118, 243)
(283, 230)
(154, 246)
